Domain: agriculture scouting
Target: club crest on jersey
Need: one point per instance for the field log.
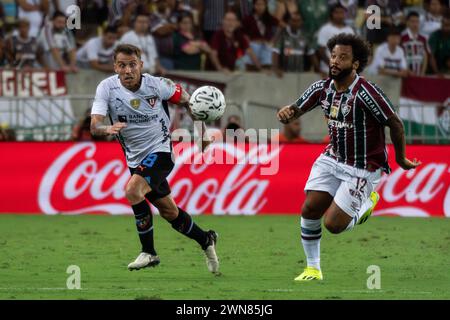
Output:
(151, 100)
(345, 109)
(135, 103)
(334, 112)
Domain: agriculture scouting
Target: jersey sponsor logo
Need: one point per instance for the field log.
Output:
(334, 111)
(340, 124)
(135, 103)
(369, 102)
(311, 89)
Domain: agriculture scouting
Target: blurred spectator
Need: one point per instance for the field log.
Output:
(141, 38)
(2, 20)
(98, 52)
(3, 60)
(292, 133)
(233, 124)
(351, 7)
(243, 8)
(389, 58)
(188, 47)
(211, 16)
(163, 25)
(335, 26)
(432, 19)
(60, 5)
(391, 16)
(21, 49)
(34, 11)
(82, 130)
(94, 13)
(6, 133)
(231, 44)
(440, 45)
(261, 28)
(315, 14)
(123, 12)
(291, 48)
(415, 45)
(284, 10)
(58, 45)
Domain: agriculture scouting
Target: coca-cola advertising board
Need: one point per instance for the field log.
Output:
(75, 178)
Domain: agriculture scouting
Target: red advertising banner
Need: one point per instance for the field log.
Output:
(33, 83)
(73, 178)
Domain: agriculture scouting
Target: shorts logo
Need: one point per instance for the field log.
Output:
(135, 103)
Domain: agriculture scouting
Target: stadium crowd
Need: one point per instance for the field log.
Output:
(272, 36)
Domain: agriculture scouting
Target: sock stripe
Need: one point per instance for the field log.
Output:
(190, 227)
(310, 231)
(146, 231)
(311, 237)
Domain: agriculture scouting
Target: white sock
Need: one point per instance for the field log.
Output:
(311, 232)
(365, 206)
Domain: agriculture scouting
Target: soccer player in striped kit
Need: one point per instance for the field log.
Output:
(137, 105)
(343, 178)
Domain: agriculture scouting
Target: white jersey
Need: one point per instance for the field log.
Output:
(145, 112)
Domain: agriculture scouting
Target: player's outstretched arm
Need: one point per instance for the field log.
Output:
(99, 129)
(289, 113)
(398, 140)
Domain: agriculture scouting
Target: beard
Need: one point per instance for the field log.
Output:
(341, 75)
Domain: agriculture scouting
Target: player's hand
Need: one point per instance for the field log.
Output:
(406, 164)
(116, 127)
(286, 114)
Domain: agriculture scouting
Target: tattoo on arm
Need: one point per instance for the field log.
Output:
(97, 126)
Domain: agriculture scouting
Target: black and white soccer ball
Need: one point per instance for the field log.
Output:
(207, 103)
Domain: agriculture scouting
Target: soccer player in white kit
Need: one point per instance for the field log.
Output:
(136, 104)
(343, 178)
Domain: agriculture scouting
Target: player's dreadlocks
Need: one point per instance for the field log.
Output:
(360, 48)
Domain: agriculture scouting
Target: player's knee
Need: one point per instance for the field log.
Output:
(308, 211)
(133, 195)
(333, 227)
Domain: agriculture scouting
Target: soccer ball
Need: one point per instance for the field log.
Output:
(207, 103)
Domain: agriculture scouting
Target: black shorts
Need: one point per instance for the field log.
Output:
(154, 169)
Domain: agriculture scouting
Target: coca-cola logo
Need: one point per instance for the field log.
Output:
(79, 182)
(413, 193)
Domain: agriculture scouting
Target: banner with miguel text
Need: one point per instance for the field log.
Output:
(74, 178)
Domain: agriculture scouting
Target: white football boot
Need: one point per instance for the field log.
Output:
(144, 260)
(212, 261)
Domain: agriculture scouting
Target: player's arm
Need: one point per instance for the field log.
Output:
(398, 140)
(98, 128)
(308, 101)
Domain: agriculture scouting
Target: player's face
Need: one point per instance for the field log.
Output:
(129, 68)
(341, 62)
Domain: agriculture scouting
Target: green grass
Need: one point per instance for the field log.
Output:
(259, 257)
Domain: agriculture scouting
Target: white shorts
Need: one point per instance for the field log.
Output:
(350, 187)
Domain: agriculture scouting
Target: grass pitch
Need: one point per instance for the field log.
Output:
(260, 256)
